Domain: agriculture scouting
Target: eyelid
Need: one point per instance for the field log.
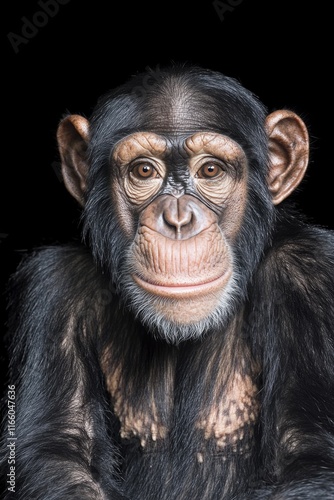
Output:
(212, 159)
(198, 162)
(137, 161)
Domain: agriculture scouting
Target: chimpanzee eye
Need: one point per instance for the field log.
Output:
(209, 170)
(144, 170)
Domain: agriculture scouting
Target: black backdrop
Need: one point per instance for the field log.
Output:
(60, 56)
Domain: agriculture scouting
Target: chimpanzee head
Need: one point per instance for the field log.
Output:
(179, 172)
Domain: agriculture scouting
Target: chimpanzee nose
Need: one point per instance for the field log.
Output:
(177, 218)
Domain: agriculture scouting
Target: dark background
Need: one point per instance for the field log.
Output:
(281, 50)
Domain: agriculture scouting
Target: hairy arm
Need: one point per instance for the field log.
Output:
(296, 325)
(61, 428)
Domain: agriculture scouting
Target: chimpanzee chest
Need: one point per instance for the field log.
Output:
(222, 423)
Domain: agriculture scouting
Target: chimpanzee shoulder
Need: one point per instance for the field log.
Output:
(304, 246)
(55, 267)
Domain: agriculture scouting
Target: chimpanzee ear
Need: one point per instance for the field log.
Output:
(288, 153)
(72, 137)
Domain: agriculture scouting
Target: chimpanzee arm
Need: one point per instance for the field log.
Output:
(61, 446)
(298, 399)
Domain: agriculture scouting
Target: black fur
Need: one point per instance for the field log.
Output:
(67, 320)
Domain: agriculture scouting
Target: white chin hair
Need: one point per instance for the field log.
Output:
(147, 310)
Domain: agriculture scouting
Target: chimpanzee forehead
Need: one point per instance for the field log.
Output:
(181, 115)
(175, 111)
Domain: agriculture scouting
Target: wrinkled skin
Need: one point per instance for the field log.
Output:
(181, 199)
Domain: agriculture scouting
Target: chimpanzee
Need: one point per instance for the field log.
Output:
(185, 349)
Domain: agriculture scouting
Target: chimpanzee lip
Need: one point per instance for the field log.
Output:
(185, 290)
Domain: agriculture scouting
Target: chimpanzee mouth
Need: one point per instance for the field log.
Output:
(184, 290)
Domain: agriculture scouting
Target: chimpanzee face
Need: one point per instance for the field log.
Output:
(189, 194)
